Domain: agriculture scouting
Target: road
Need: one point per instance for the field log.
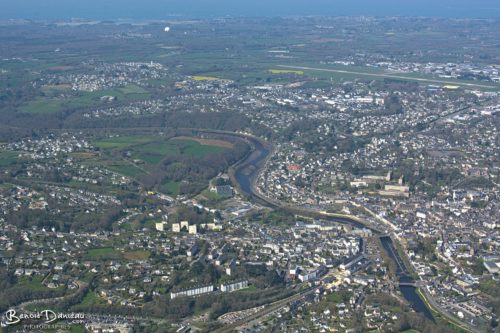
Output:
(276, 306)
(79, 285)
(431, 303)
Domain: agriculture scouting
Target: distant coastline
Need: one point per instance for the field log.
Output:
(153, 9)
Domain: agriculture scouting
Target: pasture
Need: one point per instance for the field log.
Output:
(52, 104)
(120, 142)
(7, 158)
(136, 155)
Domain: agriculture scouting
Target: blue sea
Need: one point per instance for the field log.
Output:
(165, 9)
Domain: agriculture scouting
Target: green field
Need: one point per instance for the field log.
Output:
(132, 89)
(102, 253)
(150, 150)
(42, 106)
(111, 253)
(126, 170)
(153, 153)
(286, 71)
(149, 158)
(137, 255)
(205, 78)
(144, 153)
(77, 329)
(34, 283)
(91, 298)
(7, 158)
(122, 141)
(170, 187)
(83, 99)
(196, 149)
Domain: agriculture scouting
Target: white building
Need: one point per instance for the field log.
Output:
(227, 288)
(193, 292)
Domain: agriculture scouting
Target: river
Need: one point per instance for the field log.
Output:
(409, 292)
(248, 170)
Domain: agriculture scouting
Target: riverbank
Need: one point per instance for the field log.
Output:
(245, 173)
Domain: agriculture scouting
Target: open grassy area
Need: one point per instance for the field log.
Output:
(7, 158)
(145, 152)
(194, 148)
(77, 329)
(150, 150)
(33, 283)
(122, 141)
(126, 170)
(205, 78)
(55, 88)
(212, 196)
(170, 187)
(102, 253)
(136, 255)
(286, 71)
(149, 158)
(91, 298)
(207, 142)
(132, 89)
(163, 148)
(83, 99)
(42, 105)
(153, 153)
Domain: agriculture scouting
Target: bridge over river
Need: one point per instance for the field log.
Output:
(245, 174)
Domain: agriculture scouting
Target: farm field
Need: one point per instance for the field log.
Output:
(205, 142)
(84, 99)
(286, 71)
(141, 155)
(153, 153)
(125, 169)
(7, 158)
(120, 142)
(205, 78)
(150, 150)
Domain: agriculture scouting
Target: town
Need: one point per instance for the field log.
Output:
(289, 185)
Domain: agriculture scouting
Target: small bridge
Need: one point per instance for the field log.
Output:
(415, 284)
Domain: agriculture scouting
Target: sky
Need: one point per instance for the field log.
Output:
(165, 9)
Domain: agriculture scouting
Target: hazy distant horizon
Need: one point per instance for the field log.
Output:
(156, 9)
